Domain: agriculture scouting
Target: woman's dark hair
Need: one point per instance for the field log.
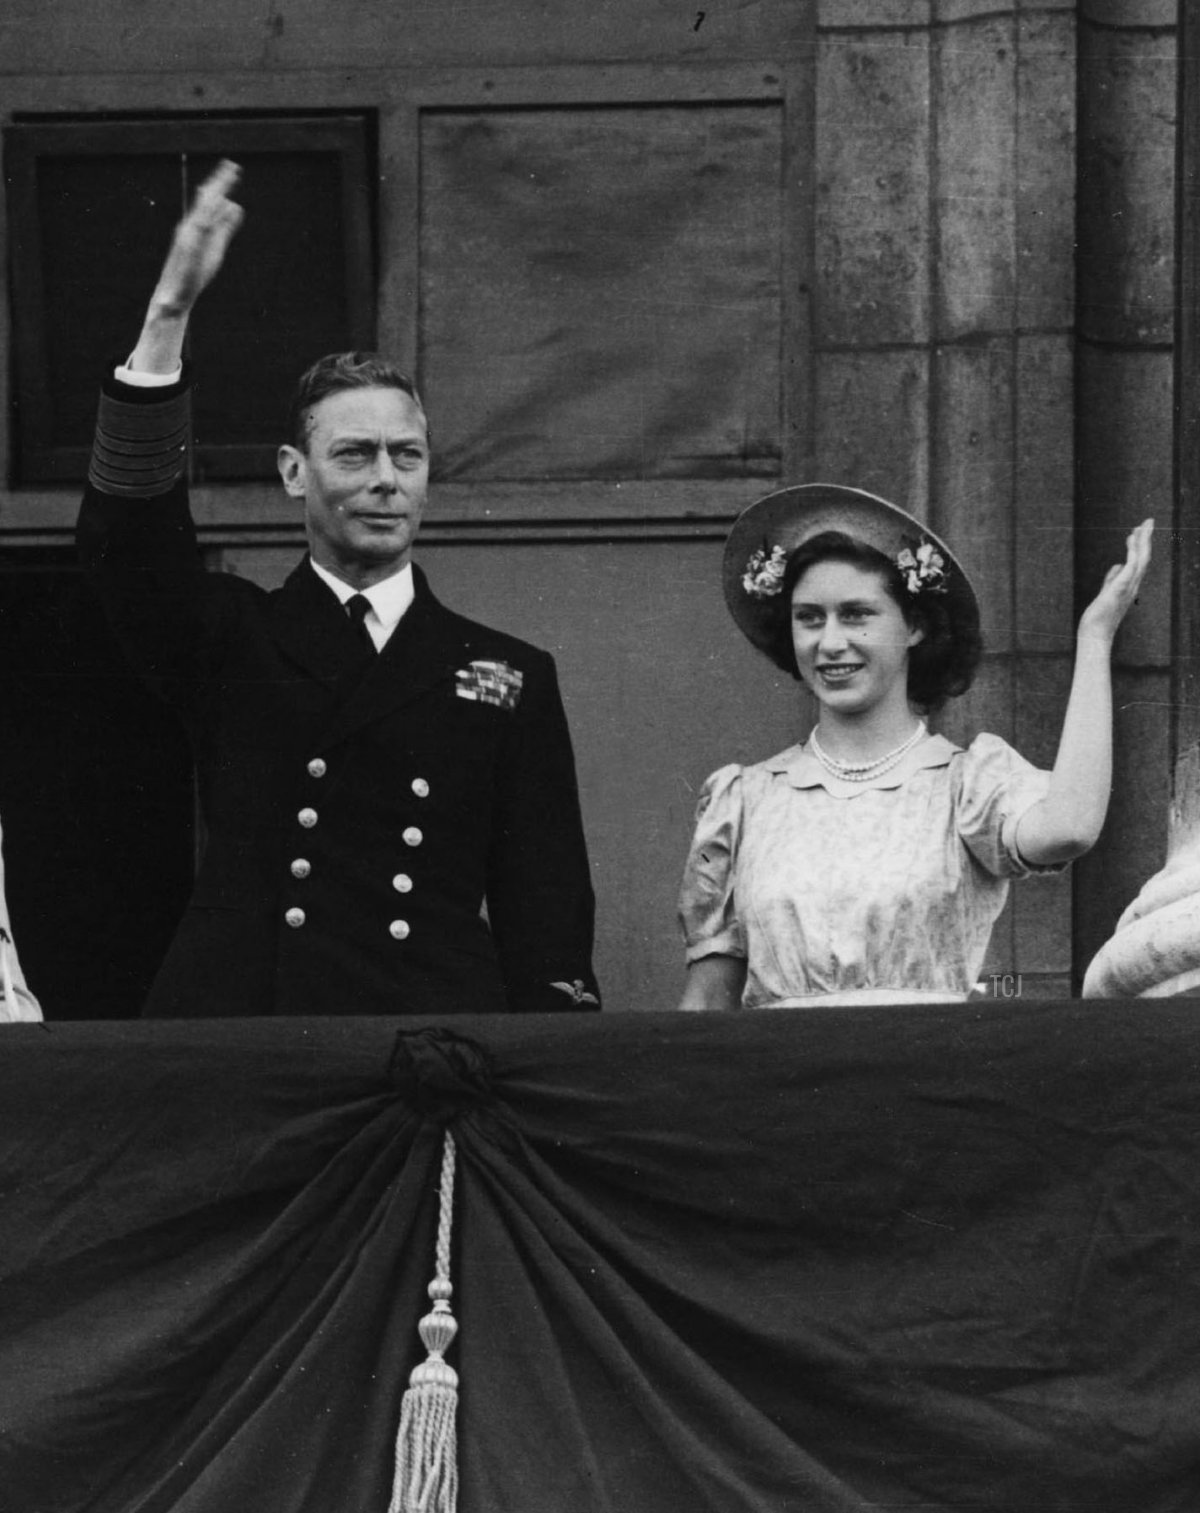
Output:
(940, 666)
(339, 371)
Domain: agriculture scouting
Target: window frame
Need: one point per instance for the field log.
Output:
(37, 457)
(253, 512)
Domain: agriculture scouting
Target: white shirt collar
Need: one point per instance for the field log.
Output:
(389, 599)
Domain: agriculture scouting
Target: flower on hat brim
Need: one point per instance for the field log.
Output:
(923, 569)
(765, 572)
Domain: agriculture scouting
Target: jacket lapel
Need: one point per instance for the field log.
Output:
(423, 651)
(313, 630)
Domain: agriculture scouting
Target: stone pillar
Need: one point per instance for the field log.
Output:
(1125, 366)
(943, 341)
(1155, 950)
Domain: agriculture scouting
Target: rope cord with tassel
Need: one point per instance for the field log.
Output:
(426, 1479)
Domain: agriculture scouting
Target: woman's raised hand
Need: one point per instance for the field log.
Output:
(1119, 591)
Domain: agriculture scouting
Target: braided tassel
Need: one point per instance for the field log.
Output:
(426, 1479)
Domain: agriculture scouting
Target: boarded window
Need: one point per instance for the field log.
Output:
(600, 290)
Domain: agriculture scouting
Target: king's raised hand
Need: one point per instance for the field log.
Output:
(200, 242)
(196, 254)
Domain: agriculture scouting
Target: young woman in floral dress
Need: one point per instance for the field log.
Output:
(868, 864)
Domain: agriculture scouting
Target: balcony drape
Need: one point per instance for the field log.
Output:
(935, 1258)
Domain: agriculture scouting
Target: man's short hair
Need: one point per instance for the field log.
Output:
(344, 370)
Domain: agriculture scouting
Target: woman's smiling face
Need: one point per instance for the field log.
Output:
(850, 637)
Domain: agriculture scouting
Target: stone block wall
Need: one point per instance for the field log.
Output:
(944, 325)
(1124, 409)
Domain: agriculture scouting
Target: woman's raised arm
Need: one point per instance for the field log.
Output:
(1067, 822)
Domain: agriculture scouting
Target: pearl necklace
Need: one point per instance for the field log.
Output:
(863, 772)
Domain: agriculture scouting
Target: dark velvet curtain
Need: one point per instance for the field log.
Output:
(932, 1258)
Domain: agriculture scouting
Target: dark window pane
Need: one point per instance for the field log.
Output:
(92, 207)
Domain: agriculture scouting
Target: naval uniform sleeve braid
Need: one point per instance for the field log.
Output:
(137, 545)
(140, 449)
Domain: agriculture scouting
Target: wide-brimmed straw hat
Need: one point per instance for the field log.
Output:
(766, 533)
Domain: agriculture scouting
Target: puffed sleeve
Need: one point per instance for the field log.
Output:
(16, 1001)
(995, 787)
(707, 911)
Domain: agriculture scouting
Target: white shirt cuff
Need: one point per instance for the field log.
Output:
(137, 380)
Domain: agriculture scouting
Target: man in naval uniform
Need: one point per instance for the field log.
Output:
(388, 789)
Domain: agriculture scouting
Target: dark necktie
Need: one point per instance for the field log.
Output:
(358, 607)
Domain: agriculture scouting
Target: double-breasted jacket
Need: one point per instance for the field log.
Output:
(395, 834)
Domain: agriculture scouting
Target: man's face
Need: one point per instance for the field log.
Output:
(363, 479)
